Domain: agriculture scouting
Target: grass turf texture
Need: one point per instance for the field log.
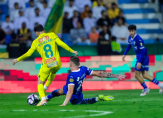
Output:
(127, 104)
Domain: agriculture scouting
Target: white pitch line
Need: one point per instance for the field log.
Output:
(98, 113)
(20, 110)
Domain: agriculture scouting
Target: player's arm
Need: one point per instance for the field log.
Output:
(65, 46)
(26, 55)
(69, 94)
(126, 51)
(104, 74)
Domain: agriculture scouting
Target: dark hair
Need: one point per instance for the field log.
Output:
(44, 2)
(132, 27)
(16, 3)
(119, 18)
(86, 6)
(7, 16)
(102, 12)
(75, 60)
(38, 28)
(37, 9)
(113, 3)
(31, 1)
(71, 0)
(90, 11)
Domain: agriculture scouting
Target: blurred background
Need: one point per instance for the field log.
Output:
(97, 29)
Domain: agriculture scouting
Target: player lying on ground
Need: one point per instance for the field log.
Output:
(46, 45)
(73, 87)
(142, 64)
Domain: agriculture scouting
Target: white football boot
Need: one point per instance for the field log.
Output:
(144, 92)
(160, 88)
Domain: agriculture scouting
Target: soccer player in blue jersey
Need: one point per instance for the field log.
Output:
(142, 64)
(73, 87)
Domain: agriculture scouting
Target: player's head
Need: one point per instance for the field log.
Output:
(37, 11)
(74, 62)
(90, 13)
(71, 2)
(7, 18)
(23, 25)
(119, 21)
(132, 30)
(45, 4)
(16, 5)
(113, 5)
(86, 8)
(39, 29)
(31, 3)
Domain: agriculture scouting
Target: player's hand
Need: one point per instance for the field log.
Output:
(120, 77)
(62, 105)
(15, 61)
(138, 66)
(123, 58)
(76, 53)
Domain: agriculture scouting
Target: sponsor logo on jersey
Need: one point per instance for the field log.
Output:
(71, 80)
(43, 39)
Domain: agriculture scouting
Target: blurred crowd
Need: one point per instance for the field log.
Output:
(87, 22)
(94, 21)
(23, 16)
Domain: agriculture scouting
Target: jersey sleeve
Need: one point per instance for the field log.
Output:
(28, 53)
(62, 44)
(140, 44)
(70, 80)
(88, 70)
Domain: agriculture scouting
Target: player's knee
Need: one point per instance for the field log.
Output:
(137, 75)
(145, 76)
(40, 82)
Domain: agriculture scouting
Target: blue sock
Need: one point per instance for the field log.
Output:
(89, 101)
(155, 81)
(144, 85)
(53, 94)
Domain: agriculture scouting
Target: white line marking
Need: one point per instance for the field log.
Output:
(98, 113)
(20, 110)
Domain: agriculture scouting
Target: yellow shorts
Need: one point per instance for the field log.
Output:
(45, 72)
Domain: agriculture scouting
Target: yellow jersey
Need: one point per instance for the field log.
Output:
(46, 45)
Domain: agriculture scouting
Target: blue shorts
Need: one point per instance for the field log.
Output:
(76, 99)
(144, 64)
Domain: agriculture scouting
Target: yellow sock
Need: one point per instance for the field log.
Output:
(41, 90)
(50, 79)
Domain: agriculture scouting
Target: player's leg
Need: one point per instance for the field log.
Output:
(152, 79)
(55, 93)
(141, 80)
(43, 75)
(49, 80)
(96, 99)
(51, 77)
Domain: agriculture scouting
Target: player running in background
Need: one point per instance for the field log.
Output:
(46, 45)
(142, 64)
(73, 87)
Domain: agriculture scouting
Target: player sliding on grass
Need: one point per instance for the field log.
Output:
(73, 87)
(142, 64)
(46, 45)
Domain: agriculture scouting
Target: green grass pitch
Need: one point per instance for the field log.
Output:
(127, 104)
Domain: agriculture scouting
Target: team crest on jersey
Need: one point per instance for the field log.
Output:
(43, 39)
(71, 80)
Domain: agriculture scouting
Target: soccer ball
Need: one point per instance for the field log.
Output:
(33, 99)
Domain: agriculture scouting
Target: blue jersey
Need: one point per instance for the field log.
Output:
(137, 44)
(76, 78)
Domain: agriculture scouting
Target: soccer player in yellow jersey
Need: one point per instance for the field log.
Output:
(46, 45)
